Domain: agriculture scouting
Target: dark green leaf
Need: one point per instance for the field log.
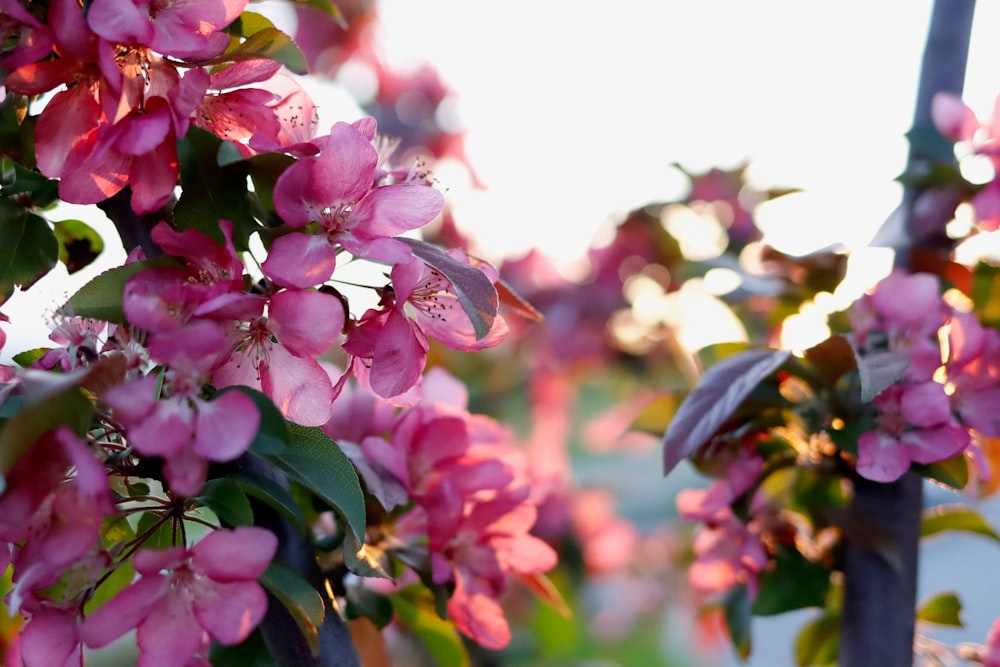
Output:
(955, 517)
(101, 298)
(79, 244)
(252, 652)
(718, 394)
(303, 602)
(273, 495)
(362, 601)
(794, 583)
(736, 607)
(227, 499)
(28, 248)
(40, 191)
(928, 143)
(439, 636)
(818, 641)
(474, 290)
(115, 583)
(162, 533)
(942, 609)
(315, 461)
(212, 192)
(264, 172)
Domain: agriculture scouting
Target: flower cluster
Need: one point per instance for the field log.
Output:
(950, 382)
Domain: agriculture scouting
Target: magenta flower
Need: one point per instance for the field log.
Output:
(277, 353)
(337, 190)
(180, 426)
(914, 426)
(185, 596)
(729, 552)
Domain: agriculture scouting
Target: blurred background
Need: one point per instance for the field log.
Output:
(655, 178)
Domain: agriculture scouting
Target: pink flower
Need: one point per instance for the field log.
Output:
(180, 426)
(336, 189)
(914, 426)
(729, 552)
(184, 596)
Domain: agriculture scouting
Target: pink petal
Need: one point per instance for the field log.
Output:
(341, 174)
(92, 171)
(925, 404)
(194, 347)
(300, 388)
(186, 472)
(121, 21)
(230, 612)
(477, 613)
(225, 426)
(123, 612)
(170, 635)
(306, 323)
(241, 554)
(153, 176)
(928, 445)
(881, 458)
(50, 639)
(300, 260)
(399, 357)
(152, 561)
(393, 209)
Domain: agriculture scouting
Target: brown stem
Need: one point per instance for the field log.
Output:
(877, 626)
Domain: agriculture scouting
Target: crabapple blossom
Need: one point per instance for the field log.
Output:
(186, 596)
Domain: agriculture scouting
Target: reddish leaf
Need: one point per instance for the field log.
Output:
(719, 393)
(474, 290)
(511, 298)
(833, 358)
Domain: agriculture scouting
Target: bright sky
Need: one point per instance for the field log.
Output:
(575, 111)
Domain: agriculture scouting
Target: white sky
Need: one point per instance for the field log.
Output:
(574, 111)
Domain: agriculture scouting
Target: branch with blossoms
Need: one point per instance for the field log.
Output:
(223, 446)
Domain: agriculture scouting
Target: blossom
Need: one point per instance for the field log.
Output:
(914, 425)
(184, 596)
(337, 190)
(184, 429)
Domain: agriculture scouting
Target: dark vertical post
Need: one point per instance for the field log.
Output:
(877, 627)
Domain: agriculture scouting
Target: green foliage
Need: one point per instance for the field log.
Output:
(298, 596)
(818, 641)
(212, 192)
(794, 583)
(228, 500)
(265, 42)
(364, 602)
(953, 472)
(28, 247)
(957, 517)
(101, 298)
(438, 635)
(79, 244)
(737, 609)
(941, 609)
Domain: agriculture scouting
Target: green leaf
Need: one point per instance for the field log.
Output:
(116, 582)
(736, 607)
(162, 535)
(28, 248)
(229, 502)
(272, 435)
(958, 517)
(268, 43)
(953, 472)
(101, 298)
(927, 142)
(362, 601)
(315, 461)
(303, 602)
(32, 421)
(941, 609)
(273, 495)
(794, 583)
(330, 9)
(439, 636)
(79, 244)
(27, 357)
(212, 192)
(40, 191)
(818, 641)
(474, 290)
(249, 23)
